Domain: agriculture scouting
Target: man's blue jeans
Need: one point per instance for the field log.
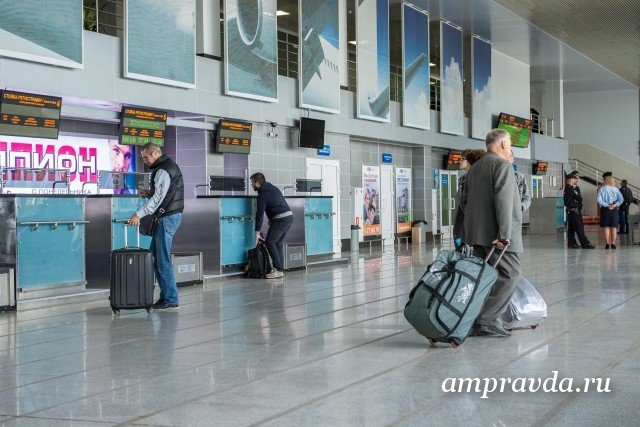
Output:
(161, 250)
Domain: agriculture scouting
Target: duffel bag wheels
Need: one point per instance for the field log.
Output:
(432, 342)
(534, 326)
(455, 344)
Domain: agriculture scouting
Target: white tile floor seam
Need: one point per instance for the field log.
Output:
(325, 339)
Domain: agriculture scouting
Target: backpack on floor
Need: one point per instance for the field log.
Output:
(258, 262)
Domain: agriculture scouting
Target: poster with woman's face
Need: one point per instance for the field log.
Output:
(123, 160)
(371, 197)
(403, 199)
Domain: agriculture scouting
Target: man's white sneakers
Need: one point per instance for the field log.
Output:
(274, 274)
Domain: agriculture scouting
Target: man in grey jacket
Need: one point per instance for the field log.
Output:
(523, 188)
(494, 217)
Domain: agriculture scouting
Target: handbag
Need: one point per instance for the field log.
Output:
(148, 225)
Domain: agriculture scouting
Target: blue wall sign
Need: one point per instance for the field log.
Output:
(445, 179)
(534, 183)
(387, 158)
(325, 151)
(436, 178)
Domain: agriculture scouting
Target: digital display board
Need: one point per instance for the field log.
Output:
(234, 136)
(519, 129)
(452, 160)
(540, 168)
(30, 115)
(139, 126)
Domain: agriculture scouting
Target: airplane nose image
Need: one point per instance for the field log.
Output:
(251, 47)
(249, 21)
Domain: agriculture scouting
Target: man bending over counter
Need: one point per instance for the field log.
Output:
(272, 202)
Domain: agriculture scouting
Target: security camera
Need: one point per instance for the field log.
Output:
(273, 124)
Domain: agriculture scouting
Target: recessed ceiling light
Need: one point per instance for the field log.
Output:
(282, 13)
(352, 42)
(431, 64)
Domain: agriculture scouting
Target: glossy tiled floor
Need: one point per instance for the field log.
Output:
(329, 346)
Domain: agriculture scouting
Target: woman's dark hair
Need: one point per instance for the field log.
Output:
(473, 156)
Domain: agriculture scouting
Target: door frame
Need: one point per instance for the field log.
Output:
(446, 231)
(337, 238)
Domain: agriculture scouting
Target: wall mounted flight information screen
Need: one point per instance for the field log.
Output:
(27, 114)
(234, 136)
(140, 126)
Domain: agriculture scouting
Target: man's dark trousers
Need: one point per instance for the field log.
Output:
(623, 215)
(575, 226)
(498, 300)
(275, 236)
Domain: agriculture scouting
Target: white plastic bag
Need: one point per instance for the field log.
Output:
(526, 307)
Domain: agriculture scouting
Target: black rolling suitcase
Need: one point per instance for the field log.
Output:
(132, 278)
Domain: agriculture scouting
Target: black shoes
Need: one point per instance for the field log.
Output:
(613, 246)
(164, 305)
(574, 247)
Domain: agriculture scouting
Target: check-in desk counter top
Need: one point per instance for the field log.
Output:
(44, 237)
(222, 228)
(108, 216)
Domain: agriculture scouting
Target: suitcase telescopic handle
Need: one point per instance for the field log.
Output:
(126, 225)
(502, 252)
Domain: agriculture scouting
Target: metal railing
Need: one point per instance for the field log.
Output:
(542, 125)
(594, 175)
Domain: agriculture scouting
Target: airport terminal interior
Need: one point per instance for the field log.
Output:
(364, 116)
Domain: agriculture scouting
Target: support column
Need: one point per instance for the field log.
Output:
(208, 28)
(344, 75)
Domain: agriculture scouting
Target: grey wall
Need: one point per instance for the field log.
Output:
(607, 120)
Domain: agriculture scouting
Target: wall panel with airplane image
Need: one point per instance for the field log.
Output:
(319, 76)
(160, 41)
(250, 49)
(46, 32)
(451, 98)
(415, 63)
(373, 61)
(481, 87)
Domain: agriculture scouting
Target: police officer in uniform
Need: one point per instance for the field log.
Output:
(573, 205)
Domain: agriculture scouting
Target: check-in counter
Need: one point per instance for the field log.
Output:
(108, 215)
(318, 226)
(44, 237)
(222, 228)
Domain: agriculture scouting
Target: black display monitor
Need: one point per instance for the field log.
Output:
(31, 115)
(233, 136)
(311, 133)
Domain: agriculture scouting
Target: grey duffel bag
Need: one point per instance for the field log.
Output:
(449, 297)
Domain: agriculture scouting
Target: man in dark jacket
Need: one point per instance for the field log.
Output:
(573, 206)
(272, 202)
(623, 213)
(166, 181)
